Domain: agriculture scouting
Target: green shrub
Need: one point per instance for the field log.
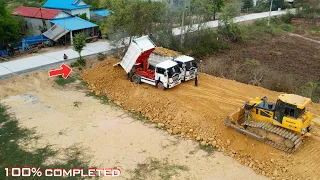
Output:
(74, 64)
(286, 18)
(81, 61)
(231, 32)
(287, 27)
(203, 43)
(62, 82)
(261, 22)
(101, 56)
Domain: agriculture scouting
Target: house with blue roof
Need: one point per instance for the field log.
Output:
(100, 14)
(62, 19)
(73, 7)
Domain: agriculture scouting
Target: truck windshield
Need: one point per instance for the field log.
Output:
(190, 65)
(173, 70)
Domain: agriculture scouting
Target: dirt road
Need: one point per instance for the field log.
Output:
(66, 117)
(199, 113)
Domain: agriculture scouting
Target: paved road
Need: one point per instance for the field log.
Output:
(19, 66)
(213, 24)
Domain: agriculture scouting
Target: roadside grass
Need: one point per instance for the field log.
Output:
(209, 149)
(138, 116)
(62, 82)
(156, 169)
(315, 29)
(260, 29)
(12, 153)
(103, 99)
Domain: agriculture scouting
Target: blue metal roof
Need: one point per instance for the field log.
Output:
(65, 4)
(73, 23)
(103, 12)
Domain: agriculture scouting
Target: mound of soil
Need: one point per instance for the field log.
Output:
(165, 52)
(199, 113)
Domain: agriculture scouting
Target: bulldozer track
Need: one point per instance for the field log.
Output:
(285, 133)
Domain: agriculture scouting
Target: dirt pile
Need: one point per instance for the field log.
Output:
(199, 113)
(165, 52)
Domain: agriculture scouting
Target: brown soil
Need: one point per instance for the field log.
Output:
(165, 51)
(199, 113)
(109, 136)
(282, 54)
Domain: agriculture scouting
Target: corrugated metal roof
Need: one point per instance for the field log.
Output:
(33, 12)
(55, 32)
(103, 12)
(65, 4)
(73, 23)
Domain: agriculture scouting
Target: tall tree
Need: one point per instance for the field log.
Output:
(247, 4)
(79, 42)
(9, 26)
(227, 26)
(135, 17)
(95, 4)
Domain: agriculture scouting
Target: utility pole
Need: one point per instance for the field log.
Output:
(182, 23)
(270, 12)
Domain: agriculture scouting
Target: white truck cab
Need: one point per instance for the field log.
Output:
(188, 66)
(135, 62)
(186, 63)
(168, 73)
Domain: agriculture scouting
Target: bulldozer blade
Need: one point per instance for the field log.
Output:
(243, 130)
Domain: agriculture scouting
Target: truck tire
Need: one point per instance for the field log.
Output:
(160, 86)
(136, 79)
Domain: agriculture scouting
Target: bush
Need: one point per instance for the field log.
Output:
(101, 56)
(287, 27)
(231, 32)
(81, 61)
(203, 43)
(286, 18)
(277, 81)
(311, 90)
(74, 64)
(62, 82)
(261, 22)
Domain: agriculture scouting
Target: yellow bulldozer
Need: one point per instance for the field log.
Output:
(282, 125)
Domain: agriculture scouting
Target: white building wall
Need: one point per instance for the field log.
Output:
(33, 26)
(61, 15)
(81, 11)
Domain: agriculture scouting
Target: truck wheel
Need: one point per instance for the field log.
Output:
(136, 79)
(160, 86)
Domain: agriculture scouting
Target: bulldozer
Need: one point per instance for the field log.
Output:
(283, 125)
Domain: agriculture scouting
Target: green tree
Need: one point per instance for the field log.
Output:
(247, 4)
(277, 4)
(83, 16)
(218, 5)
(227, 27)
(79, 42)
(95, 4)
(9, 26)
(135, 17)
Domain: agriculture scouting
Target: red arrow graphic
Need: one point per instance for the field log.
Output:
(65, 71)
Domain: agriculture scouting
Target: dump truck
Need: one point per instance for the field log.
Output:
(187, 64)
(135, 62)
(283, 125)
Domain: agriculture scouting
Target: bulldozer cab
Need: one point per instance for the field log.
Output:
(290, 105)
